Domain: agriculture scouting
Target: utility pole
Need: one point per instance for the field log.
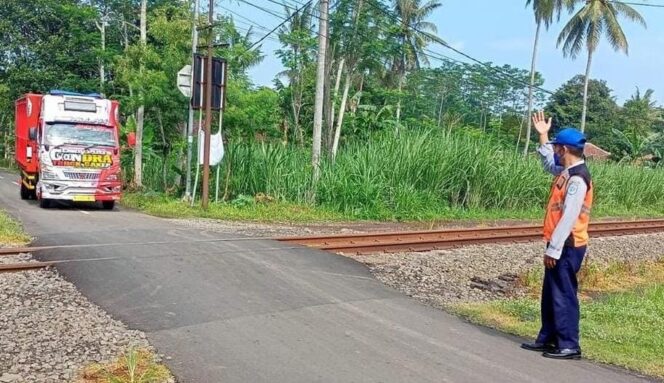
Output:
(190, 123)
(320, 88)
(140, 113)
(208, 110)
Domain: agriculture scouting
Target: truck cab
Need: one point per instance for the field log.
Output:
(67, 148)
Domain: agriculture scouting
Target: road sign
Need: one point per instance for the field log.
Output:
(218, 82)
(184, 80)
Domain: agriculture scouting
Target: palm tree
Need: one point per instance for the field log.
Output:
(414, 34)
(641, 112)
(588, 25)
(544, 11)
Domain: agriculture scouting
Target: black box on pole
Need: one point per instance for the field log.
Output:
(218, 82)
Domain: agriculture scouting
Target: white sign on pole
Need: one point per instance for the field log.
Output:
(216, 148)
(184, 80)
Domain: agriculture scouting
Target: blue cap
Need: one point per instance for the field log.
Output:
(570, 137)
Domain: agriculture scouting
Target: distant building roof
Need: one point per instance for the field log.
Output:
(594, 151)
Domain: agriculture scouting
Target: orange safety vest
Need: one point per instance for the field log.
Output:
(554, 210)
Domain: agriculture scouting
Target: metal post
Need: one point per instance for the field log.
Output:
(216, 192)
(208, 111)
(190, 124)
(198, 158)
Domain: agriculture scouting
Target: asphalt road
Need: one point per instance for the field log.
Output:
(241, 310)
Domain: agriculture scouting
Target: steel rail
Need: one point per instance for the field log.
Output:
(16, 267)
(445, 239)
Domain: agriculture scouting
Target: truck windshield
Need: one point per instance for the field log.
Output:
(59, 134)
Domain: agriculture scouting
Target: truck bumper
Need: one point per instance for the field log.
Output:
(79, 191)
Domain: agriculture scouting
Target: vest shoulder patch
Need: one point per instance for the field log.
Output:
(573, 188)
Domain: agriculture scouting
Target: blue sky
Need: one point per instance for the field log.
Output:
(501, 31)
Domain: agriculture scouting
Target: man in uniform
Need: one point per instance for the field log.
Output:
(566, 233)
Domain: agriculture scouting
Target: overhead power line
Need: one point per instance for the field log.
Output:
(284, 21)
(246, 20)
(280, 24)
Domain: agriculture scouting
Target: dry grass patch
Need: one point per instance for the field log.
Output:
(135, 366)
(597, 279)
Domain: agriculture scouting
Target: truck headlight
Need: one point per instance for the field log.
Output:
(112, 177)
(47, 173)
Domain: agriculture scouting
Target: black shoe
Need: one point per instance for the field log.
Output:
(565, 353)
(539, 347)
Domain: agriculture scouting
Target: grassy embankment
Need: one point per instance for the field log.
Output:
(11, 232)
(622, 314)
(416, 177)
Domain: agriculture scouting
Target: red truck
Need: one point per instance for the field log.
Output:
(67, 148)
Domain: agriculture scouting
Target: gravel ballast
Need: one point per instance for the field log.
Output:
(49, 331)
(487, 272)
(270, 230)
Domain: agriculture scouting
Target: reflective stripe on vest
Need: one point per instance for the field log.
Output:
(555, 208)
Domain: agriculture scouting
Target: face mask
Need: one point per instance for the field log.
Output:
(557, 159)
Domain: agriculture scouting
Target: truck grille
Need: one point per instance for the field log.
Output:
(81, 176)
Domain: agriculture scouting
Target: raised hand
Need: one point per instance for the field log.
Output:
(542, 125)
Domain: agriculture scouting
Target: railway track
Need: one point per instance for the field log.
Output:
(414, 241)
(23, 266)
(411, 241)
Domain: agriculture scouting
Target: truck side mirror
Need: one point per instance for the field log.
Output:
(32, 134)
(131, 139)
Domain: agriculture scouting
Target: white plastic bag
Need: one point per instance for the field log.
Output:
(216, 148)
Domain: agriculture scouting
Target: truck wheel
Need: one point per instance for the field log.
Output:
(108, 205)
(25, 192)
(44, 203)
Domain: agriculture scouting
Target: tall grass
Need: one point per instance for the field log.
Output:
(421, 175)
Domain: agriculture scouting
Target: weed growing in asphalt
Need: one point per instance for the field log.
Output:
(135, 366)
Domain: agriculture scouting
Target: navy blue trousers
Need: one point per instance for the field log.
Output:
(560, 304)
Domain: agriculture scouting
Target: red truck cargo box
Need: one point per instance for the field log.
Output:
(27, 116)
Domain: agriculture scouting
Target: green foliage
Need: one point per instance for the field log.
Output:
(47, 44)
(11, 233)
(423, 175)
(566, 103)
(252, 112)
(628, 132)
(474, 113)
